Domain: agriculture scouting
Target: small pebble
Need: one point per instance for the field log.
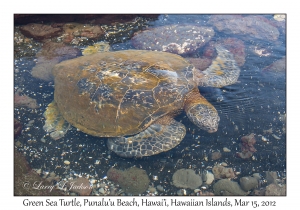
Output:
(101, 190)
(209, 178)
(152, 189)
(93, 181)
(257, 176)
(179, 192)
(39, 171)
(264, 139)
(67, 162)
(43, 140)
(276, 137)
(196, 190)
(18, 144)
(223, 164)
(112, 191)
(160, 188)
(102, 185)
(225, 149)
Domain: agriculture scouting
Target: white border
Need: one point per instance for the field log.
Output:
(160, 7)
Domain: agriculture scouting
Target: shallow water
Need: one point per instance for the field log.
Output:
(256, 103)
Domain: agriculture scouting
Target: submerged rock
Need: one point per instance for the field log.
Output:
(72, 30)
(81, 186)
(237, 48)
(160, 188)
(24, 101)
(271, 177)
(275, 189)
(247, 27)
(178, 39)
(133, 180)
(247, 146)
(40, 31)
(227, 187)
(216, 155)
(278, 66)
(51, 54)
(209, 178)
(17, 128)
(220, 172)
(248, 183)
(186, 178)
(25, 177)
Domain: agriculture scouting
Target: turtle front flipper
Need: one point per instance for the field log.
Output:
(158, 137)
(55, 124)
(223, 71)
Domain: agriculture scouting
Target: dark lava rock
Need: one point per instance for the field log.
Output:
(248, 27)
(40, 31)
(178, 39)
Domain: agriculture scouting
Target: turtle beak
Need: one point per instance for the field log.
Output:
(212, 130)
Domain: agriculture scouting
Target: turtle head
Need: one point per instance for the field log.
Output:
(204, 115)
(201, 112)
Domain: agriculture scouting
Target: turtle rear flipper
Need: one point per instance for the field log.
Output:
(55, 124)
(223, 70)
(157, 138)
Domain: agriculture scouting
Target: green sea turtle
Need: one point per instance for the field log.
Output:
(132, 96)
